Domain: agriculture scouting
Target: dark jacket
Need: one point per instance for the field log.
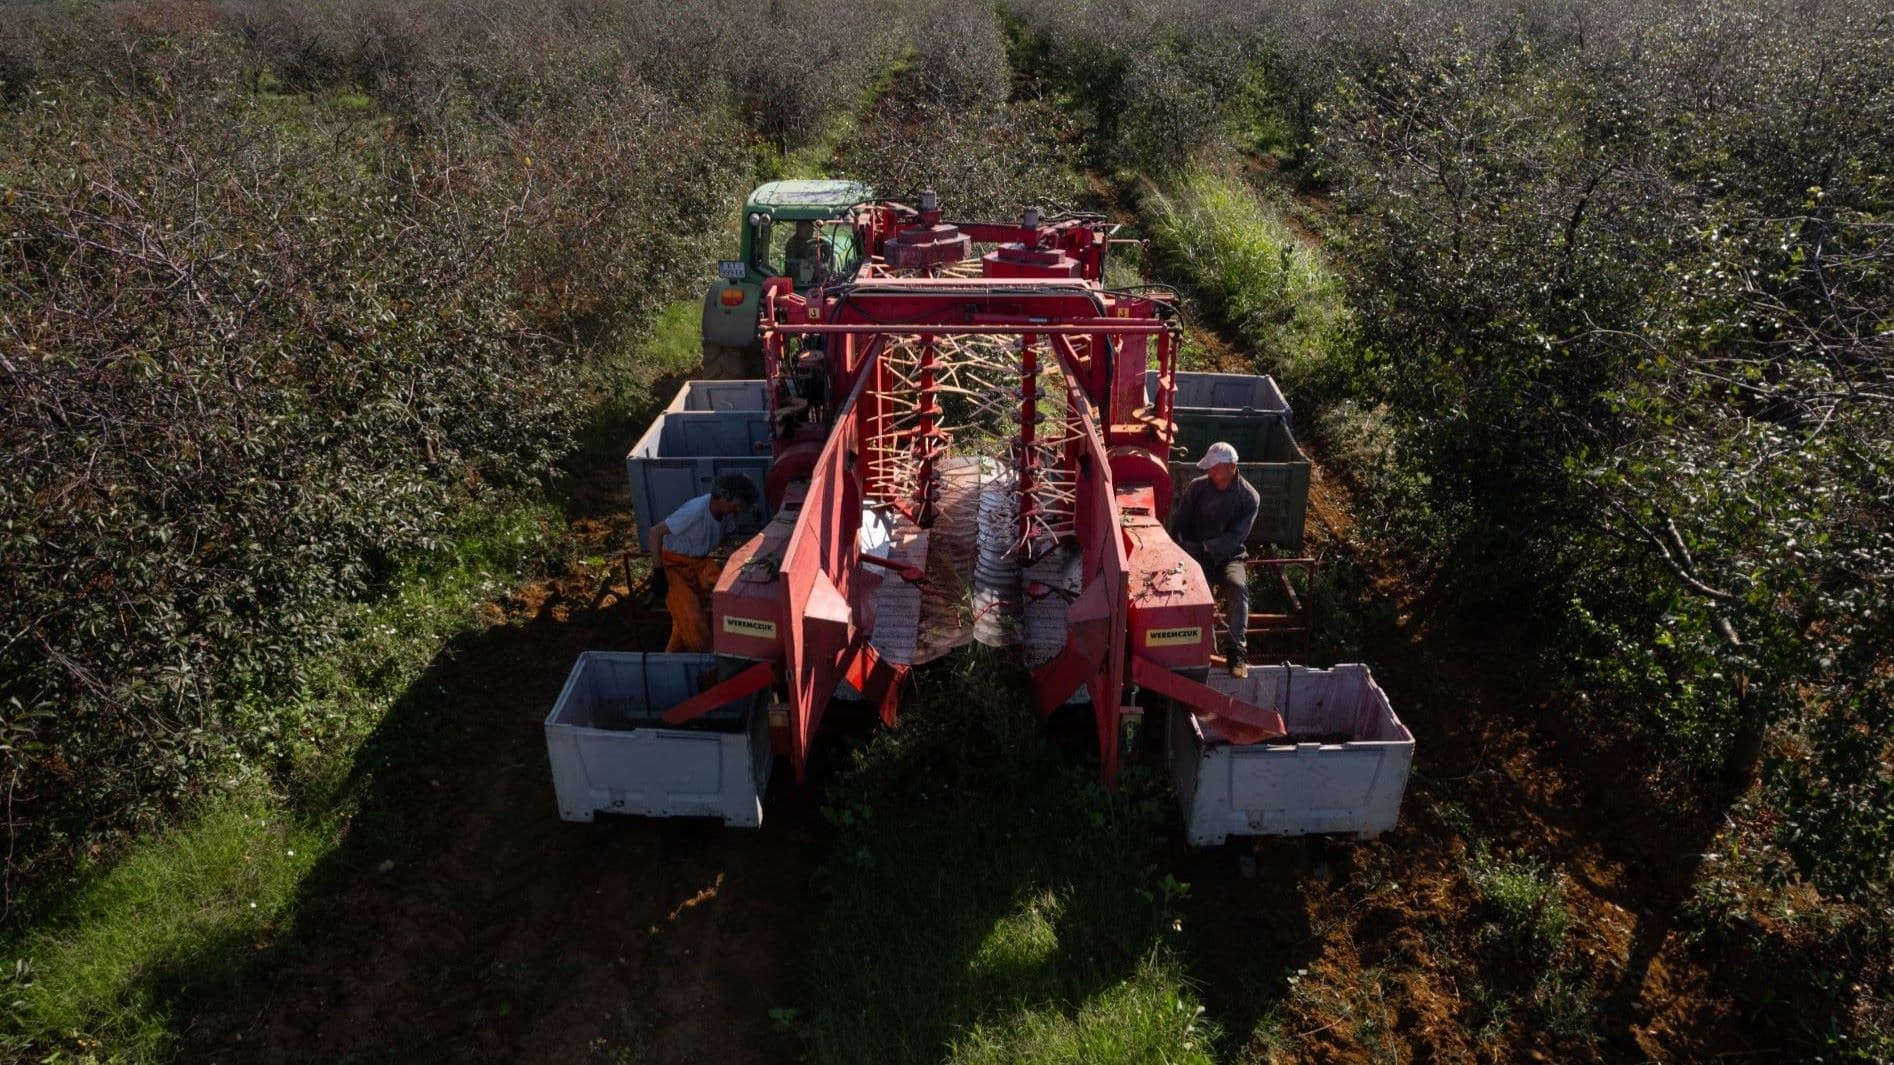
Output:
(1212, 524)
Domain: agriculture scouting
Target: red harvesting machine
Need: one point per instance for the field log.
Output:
(969, 437)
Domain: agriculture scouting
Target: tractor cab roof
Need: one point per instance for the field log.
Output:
(808, 199)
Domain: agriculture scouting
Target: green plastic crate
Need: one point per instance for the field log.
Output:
(1280, 474)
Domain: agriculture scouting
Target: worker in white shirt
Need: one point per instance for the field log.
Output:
(682, 544)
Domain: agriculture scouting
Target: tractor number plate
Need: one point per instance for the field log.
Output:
(731, 269)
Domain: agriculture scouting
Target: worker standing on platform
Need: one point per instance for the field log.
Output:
(1210, 523)
(682, 544)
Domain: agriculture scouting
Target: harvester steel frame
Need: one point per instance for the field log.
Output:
(1142, 615)
(966, 434)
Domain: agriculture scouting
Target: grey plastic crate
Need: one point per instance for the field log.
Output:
(612, 753)
(1280, 473)
(682, 455)
(751, 395)
(1346, 775)
(1222, 393)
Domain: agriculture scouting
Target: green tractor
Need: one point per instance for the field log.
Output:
(795, 229)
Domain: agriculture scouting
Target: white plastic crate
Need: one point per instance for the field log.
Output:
(1345, 774)
(611, 753)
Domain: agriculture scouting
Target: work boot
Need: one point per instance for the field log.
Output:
(1239, 668)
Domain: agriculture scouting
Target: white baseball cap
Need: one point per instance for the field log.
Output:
(1218, 454)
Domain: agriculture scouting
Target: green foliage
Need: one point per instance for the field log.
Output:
(675, 342)
(285, 291)
(1526, 902)
(815, 158)
(960, 58)
(228, 417)
(1141, 1020)
(988, 163)
(1601, 265)
(1631, 285)
(1620, 296)
(1258, 122)
(106, 965)
(799, 64)
(1671, 669)
(1833, 776)
(1618, 363)
(1524, 929)
(1156, 82)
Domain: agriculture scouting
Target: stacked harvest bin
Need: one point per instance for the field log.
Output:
(710, 429)
(1250, 413)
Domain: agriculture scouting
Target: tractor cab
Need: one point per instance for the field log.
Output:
(802, 230)
(807, 251)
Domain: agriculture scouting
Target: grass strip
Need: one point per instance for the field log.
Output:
(1216, 234)
(988, 900)
(101, 973)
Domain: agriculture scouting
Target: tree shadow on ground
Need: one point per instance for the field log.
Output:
(1528, 775)
(997, 877)
(461, 920)
(1247, 926)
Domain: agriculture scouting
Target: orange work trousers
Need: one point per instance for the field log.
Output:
(691, 581)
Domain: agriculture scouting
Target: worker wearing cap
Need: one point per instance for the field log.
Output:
(683, 542)
(1210, 522)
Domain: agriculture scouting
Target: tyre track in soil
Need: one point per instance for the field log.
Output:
(502, 934)
(1388, 935)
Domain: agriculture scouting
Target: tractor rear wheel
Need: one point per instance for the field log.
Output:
(731, 363)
